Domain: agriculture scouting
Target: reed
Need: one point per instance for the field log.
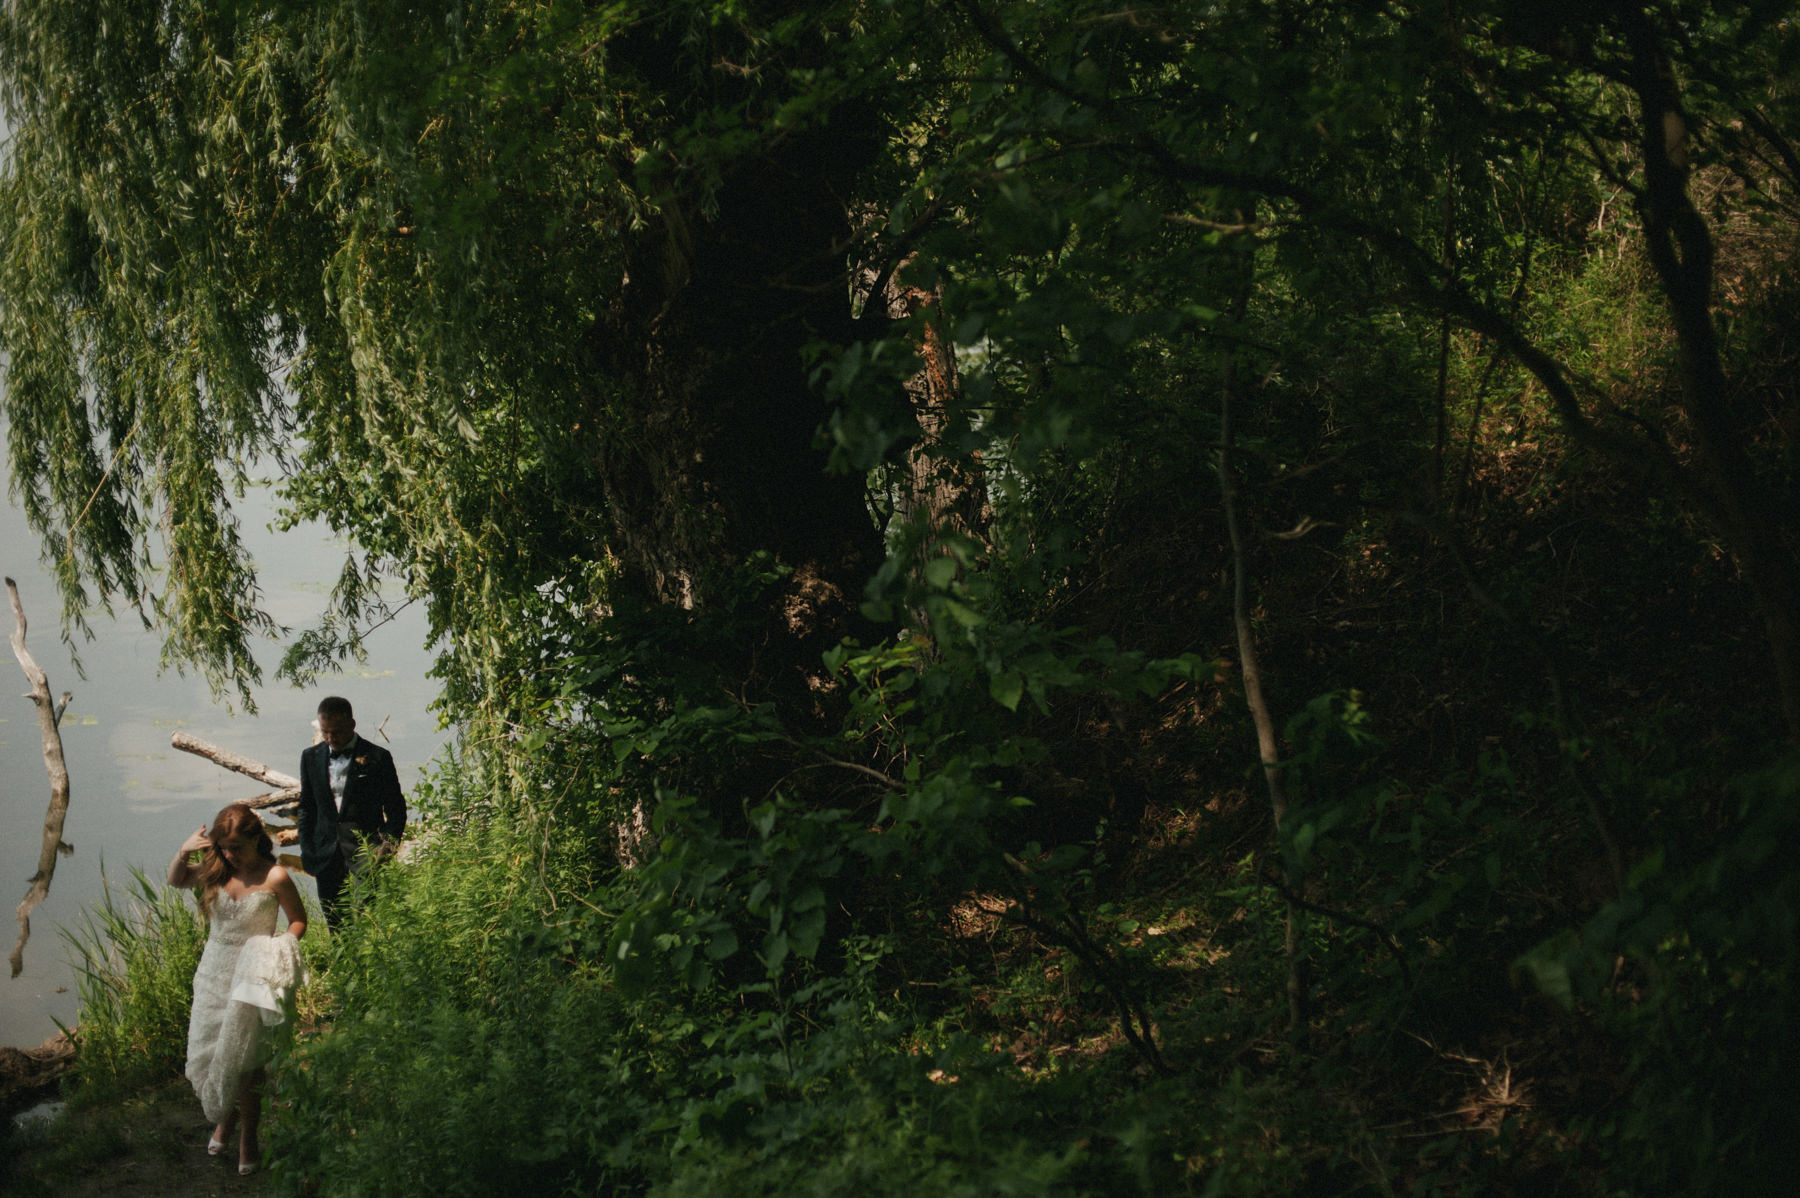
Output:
(135, 956)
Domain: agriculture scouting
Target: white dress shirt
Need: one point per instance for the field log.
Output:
(339, 768)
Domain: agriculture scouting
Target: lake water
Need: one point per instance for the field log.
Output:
(132, 797)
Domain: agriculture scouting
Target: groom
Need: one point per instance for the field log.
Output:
(351, 811)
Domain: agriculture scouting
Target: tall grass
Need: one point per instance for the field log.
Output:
(135, 955)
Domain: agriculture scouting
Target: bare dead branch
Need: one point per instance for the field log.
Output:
(235, 761)
(54, 766)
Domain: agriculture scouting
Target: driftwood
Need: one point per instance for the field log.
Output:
(284, 802)
(24, 1071)
(238, 762)
(48, 715)
(281, 802)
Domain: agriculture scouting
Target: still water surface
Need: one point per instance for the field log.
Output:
(132, 797)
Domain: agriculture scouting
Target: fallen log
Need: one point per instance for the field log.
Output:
(276, 799)
(238, 762)
(284, 802)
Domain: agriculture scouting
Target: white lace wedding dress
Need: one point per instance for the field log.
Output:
(242, 989)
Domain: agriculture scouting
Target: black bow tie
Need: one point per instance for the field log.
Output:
(340, 754)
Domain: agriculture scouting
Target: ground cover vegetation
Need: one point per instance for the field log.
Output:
(1039, 598)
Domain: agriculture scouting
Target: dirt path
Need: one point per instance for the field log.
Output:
(152, 1145)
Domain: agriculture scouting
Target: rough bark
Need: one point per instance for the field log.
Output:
(946, 490)
(716, 458)
(710, 451)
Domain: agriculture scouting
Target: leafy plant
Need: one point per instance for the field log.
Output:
(135, 954)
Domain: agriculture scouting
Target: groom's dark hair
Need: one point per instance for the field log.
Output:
(334, 705)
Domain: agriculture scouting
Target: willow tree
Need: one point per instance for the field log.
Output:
(515, 294)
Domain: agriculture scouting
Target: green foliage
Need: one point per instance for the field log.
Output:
(136, 955)
(818, 666)
(475, 1016)
(887, 1129)
(1711, 941)
(446, 1025)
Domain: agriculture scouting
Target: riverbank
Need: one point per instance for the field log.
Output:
(148, 1144)
(133, 796)
(25, 1073)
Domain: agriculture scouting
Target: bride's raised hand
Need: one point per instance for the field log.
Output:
(181, 871)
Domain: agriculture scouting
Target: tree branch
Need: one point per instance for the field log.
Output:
(1387, 938)
(234, 761)
(54, 765)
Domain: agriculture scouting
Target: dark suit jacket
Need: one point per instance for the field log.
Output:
(372, 801)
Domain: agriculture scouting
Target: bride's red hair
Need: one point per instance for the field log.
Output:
(236, 822)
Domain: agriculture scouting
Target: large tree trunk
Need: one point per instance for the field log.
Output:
(946, 489)
(711, 450)
(1680, 247)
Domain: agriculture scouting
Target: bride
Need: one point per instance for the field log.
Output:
(246, 974)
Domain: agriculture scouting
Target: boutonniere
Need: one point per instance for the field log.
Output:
(362, 761)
